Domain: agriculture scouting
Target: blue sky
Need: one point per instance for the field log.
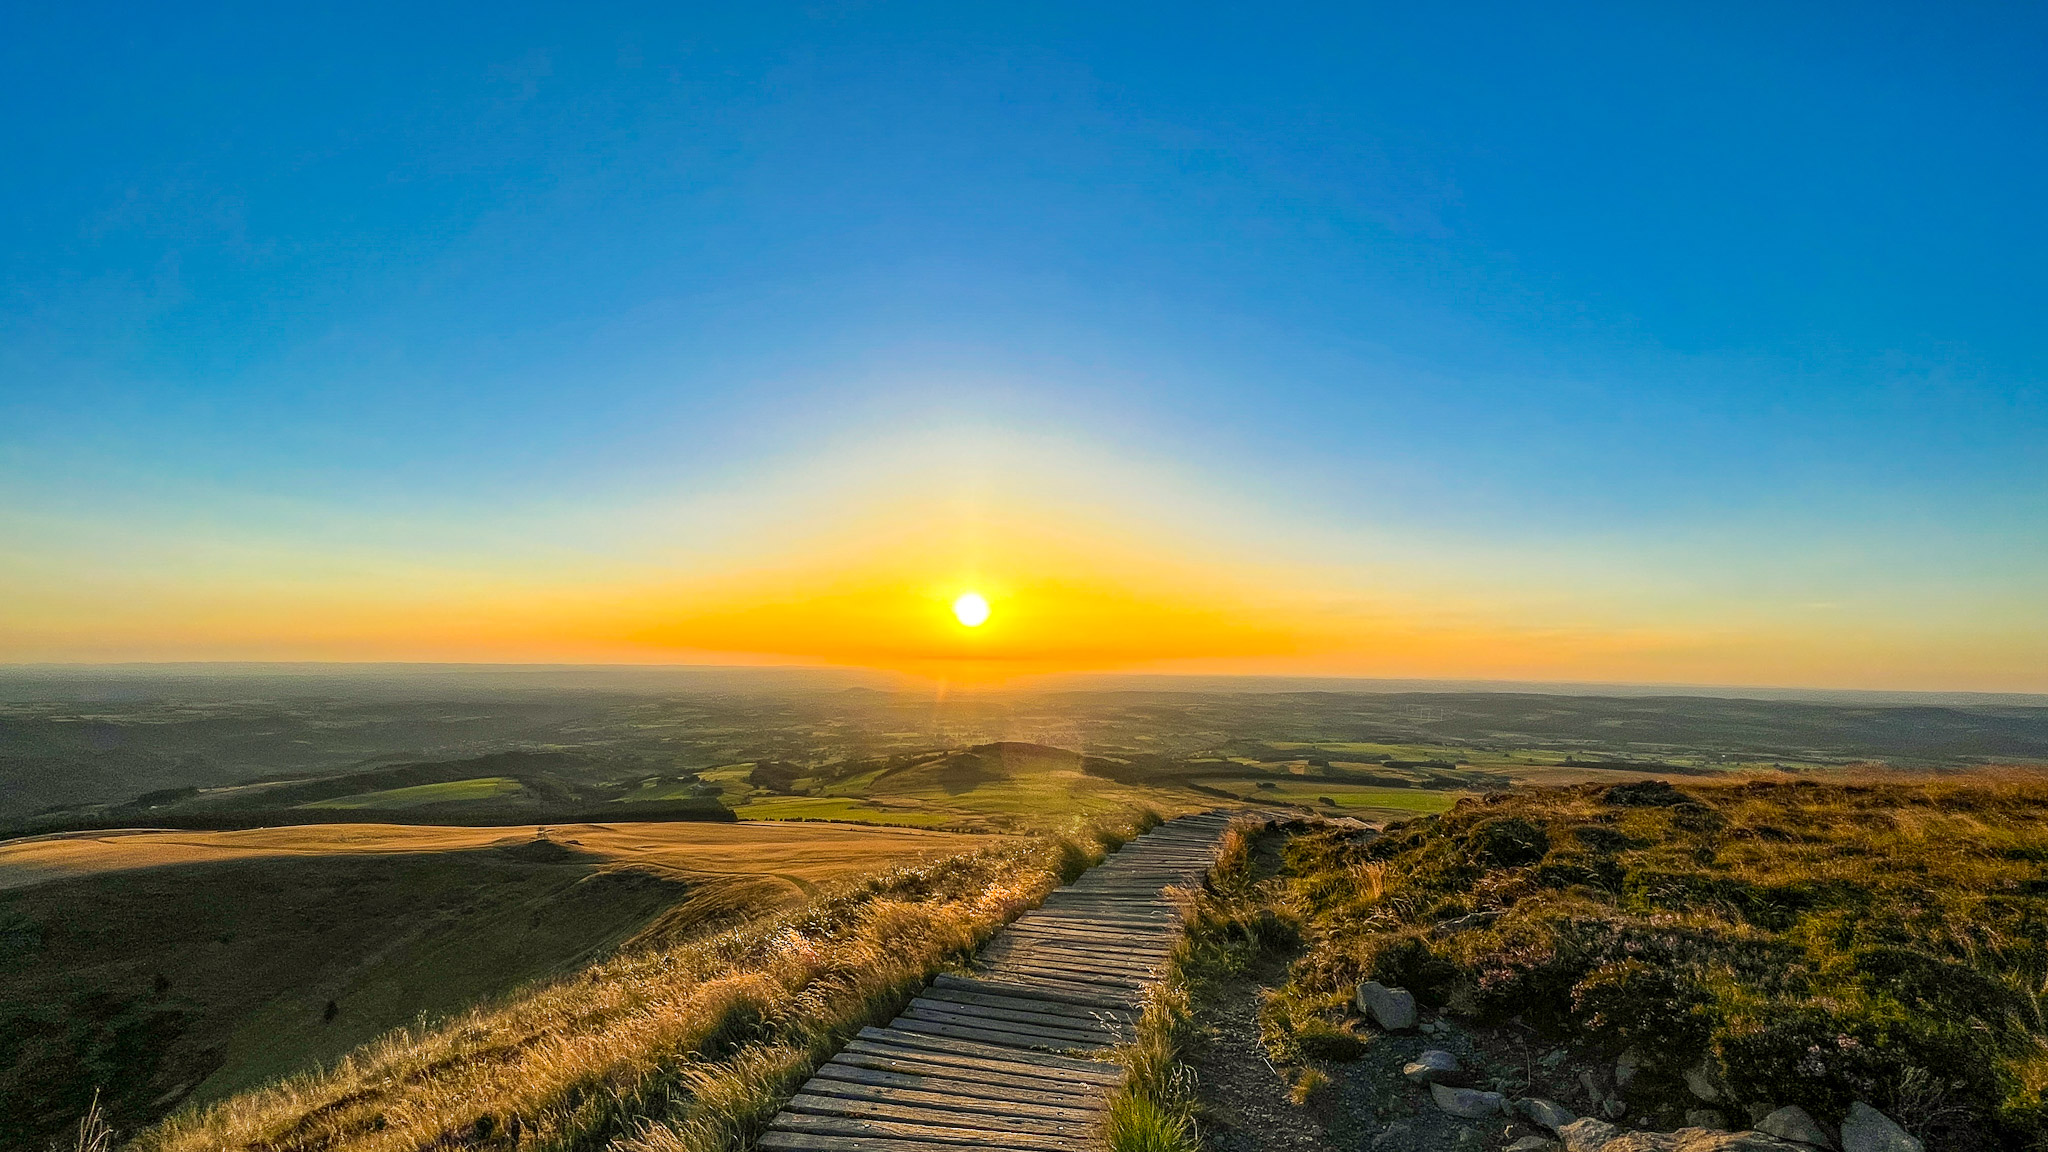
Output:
(1654, 291)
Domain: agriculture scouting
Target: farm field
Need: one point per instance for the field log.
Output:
(804, 855)
(185, 966)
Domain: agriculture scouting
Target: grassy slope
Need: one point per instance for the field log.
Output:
(1825, 942)
(252, 948)
(672, 1047)
(451, 792)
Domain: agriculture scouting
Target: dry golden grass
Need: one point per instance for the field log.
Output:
(802, 855)
(689, 1046)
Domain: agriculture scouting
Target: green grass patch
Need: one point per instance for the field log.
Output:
(837, 808)
(452, 792)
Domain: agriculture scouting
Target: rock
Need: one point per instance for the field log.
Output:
(1589, 1081)
(1587, 1135)
(1430, 1066)
(1545, 1114)
(1868, 1130)
(1793, 1123)
(1696, 1140)
(1613, 1108)
(1392, 1136)
(1625, 1069)
(1699, 1081)
(1532, 1144)
(1708, 1118)
(1757, 1112)
(1390, 1008)
(1470, 1103)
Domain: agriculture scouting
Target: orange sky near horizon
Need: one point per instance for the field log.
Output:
(857, 562)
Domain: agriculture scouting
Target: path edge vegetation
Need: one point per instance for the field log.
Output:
(1225, 925)
(690, 1046)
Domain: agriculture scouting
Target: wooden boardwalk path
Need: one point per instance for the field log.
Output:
(998, 1060)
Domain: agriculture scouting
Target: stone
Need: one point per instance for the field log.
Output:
(1587, 1135)
(1625, 1069)
(1699, 1081)
(1544, 1113)
(1470, 1103)
(1613, 1108)
(1589, 1081)
(1390, 1008)
(1708, 1118)
(1868, 1130)
(1696, 1140)
(1795, 1124)
(1532, 1144)
(1392, 1136)
(1430, 1066)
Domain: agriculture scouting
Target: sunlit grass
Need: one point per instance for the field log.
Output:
(691, 1045)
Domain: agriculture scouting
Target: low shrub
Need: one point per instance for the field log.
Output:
(1823, 942)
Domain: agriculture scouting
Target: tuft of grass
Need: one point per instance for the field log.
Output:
(1308, 1080)
(94, 1134)
(689, 1045)
(1140, 1124)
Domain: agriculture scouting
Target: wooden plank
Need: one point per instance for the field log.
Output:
(1064, 987)
(1100, 1071)
(1068, 974)
(1077, 949)
(827, 1086)
(913, 1062)
(774, 1141)
(940, 1115)
(996, 1060)
(930, 1133)
(982, 1035)
(1082, 997)
(1113, 1016)
(1026, 1033)
(1026, 1015)
(997, 1091)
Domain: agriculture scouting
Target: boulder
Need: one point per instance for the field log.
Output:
(1470, 1103)
(1699, 1081)
(1625, 1069)
(1430, 1067)
(1793, 1123)
(1544, 1113)
(1390, 1008)
(1868, 1130)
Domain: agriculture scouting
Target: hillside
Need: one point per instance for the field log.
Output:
(681, 1044)
(170, 968)
(1665, 953)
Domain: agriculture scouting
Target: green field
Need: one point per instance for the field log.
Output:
(452, 792)
(1296, 790)
(838, 808)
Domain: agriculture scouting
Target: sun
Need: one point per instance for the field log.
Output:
(971, 609)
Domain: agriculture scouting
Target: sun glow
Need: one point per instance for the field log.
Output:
(971, 609)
